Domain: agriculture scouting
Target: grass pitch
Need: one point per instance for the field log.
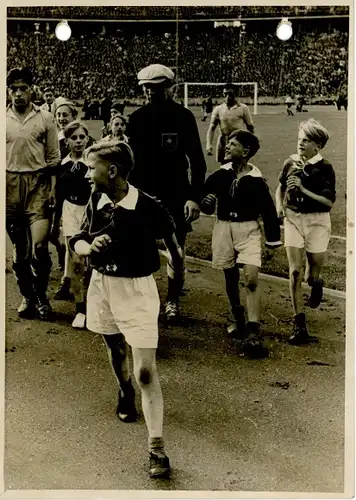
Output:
(277, 133)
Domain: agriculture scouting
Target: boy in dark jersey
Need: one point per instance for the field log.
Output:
(243, 197)
(304, 197)
(73, 192)
(119, 233)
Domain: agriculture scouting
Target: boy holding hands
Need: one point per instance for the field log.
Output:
(242, 197)
(304, 197)
(119, 234)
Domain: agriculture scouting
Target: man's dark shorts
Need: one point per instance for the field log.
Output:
(27, 198)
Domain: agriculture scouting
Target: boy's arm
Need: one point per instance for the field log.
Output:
(80, 243)
(294, 181)
(279, 200)
(270, 220)
(208, 202)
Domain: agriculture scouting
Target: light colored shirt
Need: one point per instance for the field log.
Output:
(48, 107)
(31, 145)
(231, 119)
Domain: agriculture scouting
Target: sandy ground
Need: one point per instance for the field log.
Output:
(230, 423)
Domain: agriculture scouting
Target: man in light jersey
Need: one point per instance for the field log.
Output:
(232, 115)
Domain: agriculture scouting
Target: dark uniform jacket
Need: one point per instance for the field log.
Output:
(165, 142)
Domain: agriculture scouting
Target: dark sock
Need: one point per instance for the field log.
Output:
(156, 444)
(80, 307)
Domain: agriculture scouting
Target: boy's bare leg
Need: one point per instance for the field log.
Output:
(253, 346)
(118, 356)
(252, 293)
(232, 277)
(63, 292)
(315, 264)
(145, 370)
(295, 259)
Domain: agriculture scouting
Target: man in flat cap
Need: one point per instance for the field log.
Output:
(165, 140)
(32, 153)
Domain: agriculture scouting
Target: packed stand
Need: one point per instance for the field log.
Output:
(313, 64)
(161, 12)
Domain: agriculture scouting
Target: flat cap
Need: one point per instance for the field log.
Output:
(62, 101)
(155, 73)
(19, 74)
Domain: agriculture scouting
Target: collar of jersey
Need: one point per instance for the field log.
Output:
(129, 202)
(68, 159)
(255, 172)
(311, 161)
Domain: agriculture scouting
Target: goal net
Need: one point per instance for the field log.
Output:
(195, 92)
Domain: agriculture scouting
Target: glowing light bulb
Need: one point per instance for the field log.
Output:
(284, 29)
(63, 31)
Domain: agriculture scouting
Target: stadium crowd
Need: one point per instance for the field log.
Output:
(161, 12)
(314, 64)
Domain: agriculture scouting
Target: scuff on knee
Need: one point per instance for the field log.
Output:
(295, 274)
(251, 285)
(144, 376)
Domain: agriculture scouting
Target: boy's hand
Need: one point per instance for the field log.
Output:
(191, 211)
(99, 243)
(280, 212)
(294, 182)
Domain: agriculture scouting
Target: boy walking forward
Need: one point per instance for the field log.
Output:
(242, 197)
(304, 197)
(119, 234)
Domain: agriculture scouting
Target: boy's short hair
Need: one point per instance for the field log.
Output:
(118, 153)
(48, 89)
(73, 126)
(315, 132)
(248, 141)
(122, 118)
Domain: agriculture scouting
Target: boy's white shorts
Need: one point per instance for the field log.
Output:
(309, 231)
(72, 216)
(236, 242)
(126, 305)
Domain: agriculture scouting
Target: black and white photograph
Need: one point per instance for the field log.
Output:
(178, 244)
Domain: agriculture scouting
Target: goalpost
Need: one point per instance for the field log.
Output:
(254, 84)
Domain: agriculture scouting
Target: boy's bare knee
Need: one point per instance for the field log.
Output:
(251, 281)
(296, 273)
(252, 285)
(144, 376)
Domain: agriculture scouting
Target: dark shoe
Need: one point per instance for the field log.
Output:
(316, 293)
(126, 409)
(63, 292)
(237, 330)
(159, 465)
(27, 309)
(252, 347)
(300, 333)
(44, 309)
(61, 257)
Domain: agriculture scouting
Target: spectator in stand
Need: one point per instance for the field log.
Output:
(105, 107)
(48, 96)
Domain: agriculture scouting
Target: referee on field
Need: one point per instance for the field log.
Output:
(166, 144)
